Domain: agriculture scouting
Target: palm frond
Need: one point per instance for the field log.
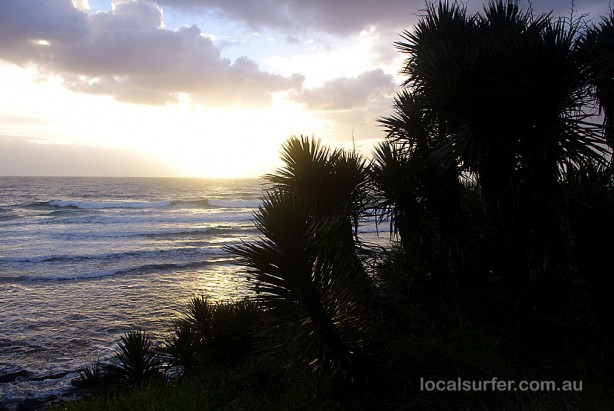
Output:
(306, 280)
(136, 360)
(213, 333)
(598, 47)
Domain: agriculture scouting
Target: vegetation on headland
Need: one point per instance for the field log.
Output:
(497, 181)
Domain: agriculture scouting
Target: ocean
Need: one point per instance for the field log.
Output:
(83, 260)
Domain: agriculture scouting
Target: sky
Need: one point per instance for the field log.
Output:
(198, 88)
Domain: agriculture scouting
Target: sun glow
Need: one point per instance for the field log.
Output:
(197, 141)
(233, 142)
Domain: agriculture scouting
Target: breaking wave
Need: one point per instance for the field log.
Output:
(102, 205)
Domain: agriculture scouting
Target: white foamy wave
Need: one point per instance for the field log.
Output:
(160, 220)
(201, 203)
(98, 205)
(235, 203)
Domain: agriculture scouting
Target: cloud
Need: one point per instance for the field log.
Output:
(350, 106)
(348, 93)
(19, 157)
(23, 23)
(331, 16)
(350, 17)
(127, 53)
(82, 5)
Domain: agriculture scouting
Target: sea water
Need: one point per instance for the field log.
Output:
(83, 260)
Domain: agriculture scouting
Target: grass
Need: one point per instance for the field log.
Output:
(256, 384)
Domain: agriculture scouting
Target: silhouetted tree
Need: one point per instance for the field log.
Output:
(598, 44)
(506, 98)
(310, 281)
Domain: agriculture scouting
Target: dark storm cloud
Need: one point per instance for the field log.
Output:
(128, 54)
(349, 93)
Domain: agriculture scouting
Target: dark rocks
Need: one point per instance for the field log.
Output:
(32, 404)
(51, 377)
(12, 376)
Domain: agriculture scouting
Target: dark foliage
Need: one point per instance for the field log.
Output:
(503, 95)
(136, 360)
(135, 364)
(598, 44)
(95, 378)
(213, 333)
(506, 100)
(309, 278)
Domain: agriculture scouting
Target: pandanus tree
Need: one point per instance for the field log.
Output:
(308, 276)
(599, 46)
(419, 197)
(136, 363)
(212, 333)
(509, 99)
(333, 182)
